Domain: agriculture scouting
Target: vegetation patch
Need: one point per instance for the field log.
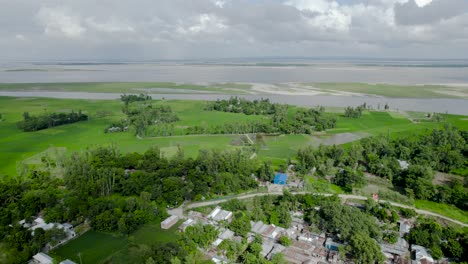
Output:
(443, 209)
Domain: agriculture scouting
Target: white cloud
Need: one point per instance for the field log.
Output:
(422, 3)
(323, 14)
(204, 23)
(60, 22)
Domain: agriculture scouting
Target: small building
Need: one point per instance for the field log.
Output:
(42, 258)
(293, 255)
(187, 223)
(67, 261)
(219, 214)
(332, 245)
(420, 255)
(217, 242)
(280, 178)
(226, 234)
(196, 215)
(400, 248)
(403, 164)
(405, 227)
(219, 260)
(169, 222)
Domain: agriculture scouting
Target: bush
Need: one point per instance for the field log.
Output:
(285, 241)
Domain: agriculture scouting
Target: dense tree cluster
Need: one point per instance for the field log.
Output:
(440, 149)
(353, 112)
(23, 198)
(442, 241)
(48, 120)
(130, 98)
(344, 221)
(304, 121)
(241, 105)
(143, 116)
(117, 192)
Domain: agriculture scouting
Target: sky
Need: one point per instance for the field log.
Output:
(196, 29)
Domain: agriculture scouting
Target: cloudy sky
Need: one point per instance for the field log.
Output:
(186, 29)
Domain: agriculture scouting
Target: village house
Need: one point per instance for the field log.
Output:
(196, 216)
(420, 255)
(169, 222)
(332, 245)
(67, 261)
(41, 258)
(187, 223)
(219, 214)
(270, 248)
(394, 252)
(268, 231)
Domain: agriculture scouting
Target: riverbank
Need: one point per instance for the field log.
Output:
(428, 105)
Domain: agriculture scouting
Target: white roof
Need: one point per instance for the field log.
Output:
(43, 258)
(39, 220)
(67, 261)
(403, 164)
(217, 242)
(170, 219)
(421, 252)
(218, 214)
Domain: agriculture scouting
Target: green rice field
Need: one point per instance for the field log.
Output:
(19, 148)
(99, 247)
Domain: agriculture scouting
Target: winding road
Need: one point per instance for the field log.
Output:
(180, 210)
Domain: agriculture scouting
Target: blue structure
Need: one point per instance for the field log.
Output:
(280, 178)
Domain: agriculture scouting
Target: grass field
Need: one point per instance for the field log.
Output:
(443, 209)
(28, 147)
(97, 247)
(392, 90)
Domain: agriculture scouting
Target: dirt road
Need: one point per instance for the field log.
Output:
(179, 211)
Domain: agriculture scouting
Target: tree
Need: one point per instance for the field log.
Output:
(349, 178)
(278, 258)
(240, 224)
(285, 241)
(365, 249)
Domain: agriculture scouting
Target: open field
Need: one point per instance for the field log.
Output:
(97, 247)
(391, 90)
(93, 246)
(443, 209)
(18, 146)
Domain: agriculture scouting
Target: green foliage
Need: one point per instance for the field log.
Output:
(407, 212)
(240, 224)
(304, 121)
(285, 241)
(365, 249)
(352, 112)
(35, 123)
(345, 221)
(134, 98)
(348, 179)
(201, 235)
(440, 240)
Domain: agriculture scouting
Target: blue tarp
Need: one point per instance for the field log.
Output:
(280, 178)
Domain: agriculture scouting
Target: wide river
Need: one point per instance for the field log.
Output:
(27, 73)
(325, 72)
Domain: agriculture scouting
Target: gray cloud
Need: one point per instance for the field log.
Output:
(178, 29)
(410, 13)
